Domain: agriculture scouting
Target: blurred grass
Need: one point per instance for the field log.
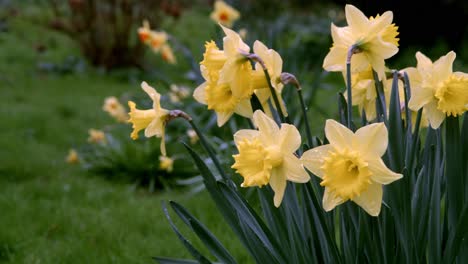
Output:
(52, 212)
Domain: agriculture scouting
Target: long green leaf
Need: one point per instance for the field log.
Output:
(209, 240)
(174, 261)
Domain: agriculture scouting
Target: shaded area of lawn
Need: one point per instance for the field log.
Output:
(52, 212)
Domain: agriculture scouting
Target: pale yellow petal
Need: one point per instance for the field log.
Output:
(335, 59)
(420, 96)
(267, 127)
(293, 169)
(223, 117)
(371, 199)
(278, 184)
(199, 93)
(435, 116)
(243, 134)
(155, 128)
(313, 159)
(371, 140)
(378, 64)
(339, 136)
(443, 67)
(289, 138)
(155, 96)
(424, 63)
(356, 19)
(330, 200)
(244, 108)
(380, 173)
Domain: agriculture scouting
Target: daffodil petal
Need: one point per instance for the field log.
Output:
(335, 59)
(155, 128)
(330, 201)
(223, 117)
(267, 127)
(199, 93)
(435, 116)
(420, 96)
(278, 184)
(443, 67)
(356, 19)
(371, 140)
(163, 143)
(155, 96)
(242, 134)
(293, 169)
(289, 138)
(244, 108)
(424, 63)
(312, 159)
(339, 136)
(371, 199)
(381, 173)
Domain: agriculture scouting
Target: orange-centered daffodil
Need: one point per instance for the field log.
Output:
(224, 14)
(351, 167)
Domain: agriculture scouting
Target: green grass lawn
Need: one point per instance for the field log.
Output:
(53, 212)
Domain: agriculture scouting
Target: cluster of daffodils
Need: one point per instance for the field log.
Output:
(231, 80)
(157, 41)
(350, 166)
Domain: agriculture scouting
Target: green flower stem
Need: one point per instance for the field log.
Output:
(407, 91)
(453, 170)
(381, 105)
(415, 140)
(349, 93)
(306, 120)
(208, 149)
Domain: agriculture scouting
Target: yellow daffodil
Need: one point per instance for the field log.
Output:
(96, 136)
(192, 135)
(351, 167)
(224, 14)
(157, 40)
(274, 64)
(374, 40)
(167, 54)
(144, 32)
(166, 163)
(72, 157)
(364, 93)
(437, 89)
(266, 155)
(115, 109)
(152, 120)
(237, 69)
(217, 95)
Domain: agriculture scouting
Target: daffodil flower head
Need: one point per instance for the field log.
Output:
(96, 136)
(224, 14)
(166, 163)
(373, 41)
(220, 98)
(158, 40)
(115, 109)
(266, 155)
(351, 167)
(364, 93)
(144, 32)
(213, 58)
(152, 120)
(437, 89)
(237, 69)
(274, 65)
(72, 157)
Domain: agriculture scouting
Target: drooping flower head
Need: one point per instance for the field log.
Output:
(157, 40)
(224, 14)
(166, 163)
(351, 167)
(274, 65)
(266, 155)
(218, 95)
(115, 109)
(152, 120)
(72, 157)
(437, 89)
(96, 136)
(374, 40)
(144, 32)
